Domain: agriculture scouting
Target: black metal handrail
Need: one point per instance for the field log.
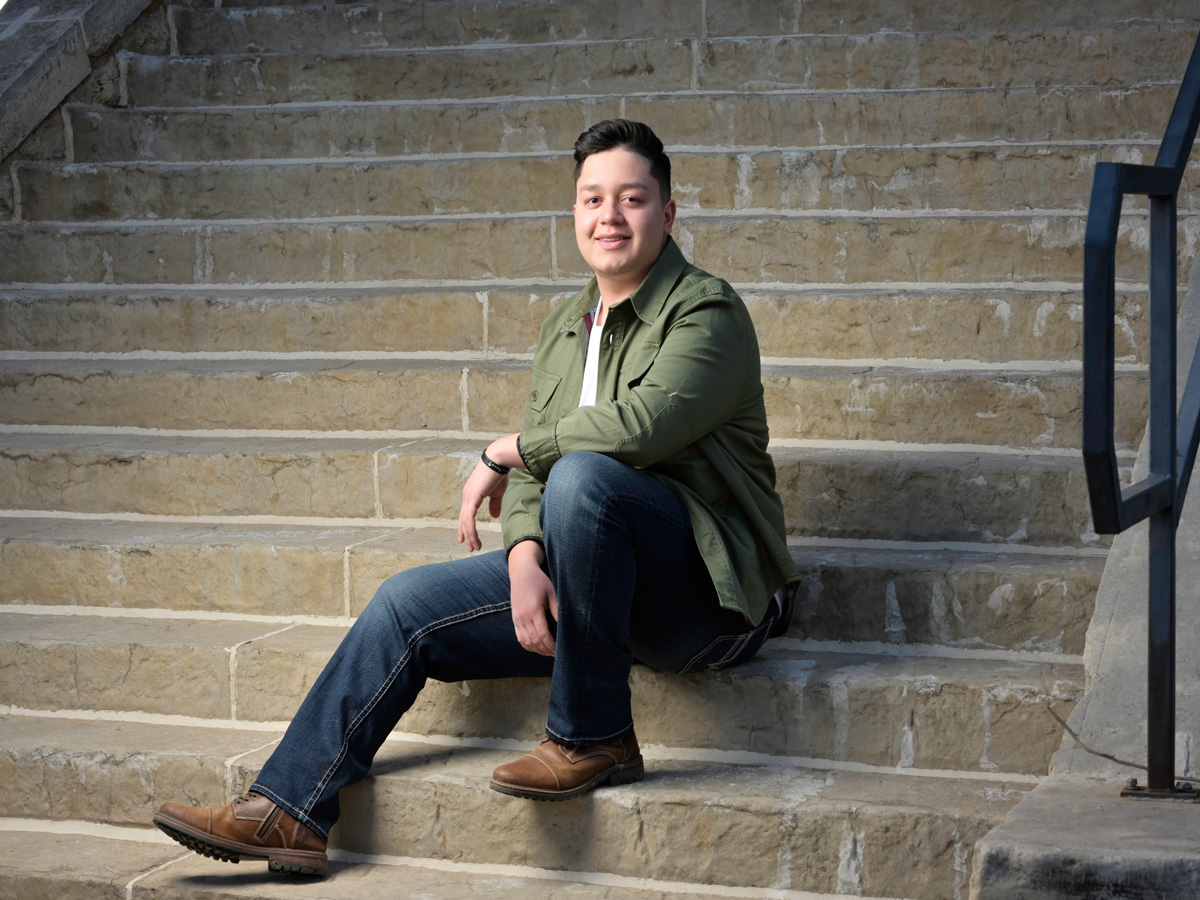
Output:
(1173, 442)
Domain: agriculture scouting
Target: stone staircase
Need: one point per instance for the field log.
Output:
(257, 324)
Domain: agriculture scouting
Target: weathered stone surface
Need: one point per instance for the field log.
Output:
(941, 496)
(43, 61)
(782, 120)
(976, 600)
(937, 59)
(236, 29)
(326, 252)
(90, 662)
(249, 570)
(749, 17)
(115, 772)
(175, 476)
(877, 710)
(886, 118)
(1076, 837)
(333, 131)
(305, 394)
(469, 73)
(255, 319)
(996, 325)
(789, 828)
(37, 866)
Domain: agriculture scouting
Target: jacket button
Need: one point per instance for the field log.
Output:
(533, 396)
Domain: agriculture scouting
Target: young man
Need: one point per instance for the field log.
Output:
(640, 521)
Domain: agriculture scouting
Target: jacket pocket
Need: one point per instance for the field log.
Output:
(635, 367)
(543, 386)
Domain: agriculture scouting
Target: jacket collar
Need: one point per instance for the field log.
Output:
(648, 300)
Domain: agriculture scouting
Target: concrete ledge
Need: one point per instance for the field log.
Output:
(1076, 837)
(45, 47)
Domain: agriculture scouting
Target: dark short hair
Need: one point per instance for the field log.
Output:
(635, 136)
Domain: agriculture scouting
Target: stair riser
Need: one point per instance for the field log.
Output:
(994, 604)
(995, 326)
(532, 21)
(868, 119)
(327, 28)
(908, 497)
(931, 600)
(524, 72)
(753, 249)
(780, 827)
(864, 180)
(1019, 410)
(839, 63)
(880, 712)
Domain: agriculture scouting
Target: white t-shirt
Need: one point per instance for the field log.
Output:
(591, 365)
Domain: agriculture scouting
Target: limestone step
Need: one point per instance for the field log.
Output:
(852, 493)
(78, 860)
(1026, 408)
(737, 17)
(759, 248)
(878, 709)
(782, 120)
(971, 597)
(776, 824)
(988, 323)
(281, 27)
(968, 177)
(361, 71)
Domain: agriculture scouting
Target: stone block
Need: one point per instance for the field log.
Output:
(114, 772)
(307, 27)
(390, 75)
(969, 600)
(972, 58)
(39, 866)
(88, 662)
(942, 496)
(256, 319)
(43, 61)
(172, 476)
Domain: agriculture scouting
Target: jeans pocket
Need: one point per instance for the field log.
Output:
(730, 649)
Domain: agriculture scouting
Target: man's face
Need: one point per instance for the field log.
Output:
(621, 221)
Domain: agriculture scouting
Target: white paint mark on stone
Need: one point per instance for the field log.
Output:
(937, 613)
(907, 749)
(850, 861)
(745, 194)
(999, 597)
(1002, 310)
(465, 689)
(961, 852)
(1041, 318)
(986, 705)
(894, 626)
(116, 568)
(108, 268)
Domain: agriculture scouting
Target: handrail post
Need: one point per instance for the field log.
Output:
(1160, 668)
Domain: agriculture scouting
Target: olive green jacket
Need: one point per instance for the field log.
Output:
(679, 394)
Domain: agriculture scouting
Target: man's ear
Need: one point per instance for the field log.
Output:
(669, 211)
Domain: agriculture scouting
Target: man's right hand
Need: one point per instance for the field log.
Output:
(532, 597)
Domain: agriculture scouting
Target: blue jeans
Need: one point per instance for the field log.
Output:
(631, 584)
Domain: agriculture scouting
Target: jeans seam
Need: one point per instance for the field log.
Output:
(383, 689)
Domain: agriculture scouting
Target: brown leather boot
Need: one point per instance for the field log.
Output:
(251, 827)
(557, 772)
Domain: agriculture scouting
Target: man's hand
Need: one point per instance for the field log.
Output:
(532, 597)
(484, 484)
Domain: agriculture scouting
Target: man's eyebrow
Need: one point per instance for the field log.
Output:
(620, 187)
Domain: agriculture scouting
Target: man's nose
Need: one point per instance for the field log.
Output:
(612, 212)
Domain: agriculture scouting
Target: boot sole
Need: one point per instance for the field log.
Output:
(291, 862)
(625, 773)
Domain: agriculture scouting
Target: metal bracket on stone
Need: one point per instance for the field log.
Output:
(1180, 791)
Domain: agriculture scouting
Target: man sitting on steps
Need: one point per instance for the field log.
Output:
(640, 522)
